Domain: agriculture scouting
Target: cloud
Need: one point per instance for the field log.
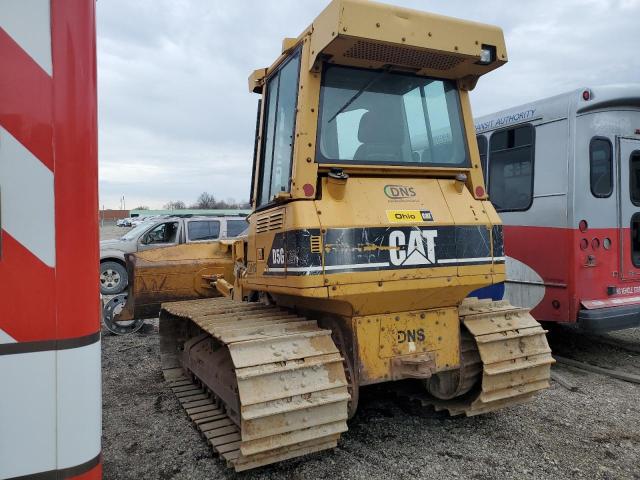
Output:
(176, 117)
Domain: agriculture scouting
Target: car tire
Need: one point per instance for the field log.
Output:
(113, 278)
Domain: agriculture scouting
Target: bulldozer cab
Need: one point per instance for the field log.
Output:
(365, 125)
(370, 86)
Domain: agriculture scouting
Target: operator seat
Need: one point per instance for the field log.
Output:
(381, 139)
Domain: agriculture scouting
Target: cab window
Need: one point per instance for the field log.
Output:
(199, 230)
(511, 168)
(389, 118)
(163, 233)
(279, 126)
(601, 167)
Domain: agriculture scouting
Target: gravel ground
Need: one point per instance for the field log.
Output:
(591, 433)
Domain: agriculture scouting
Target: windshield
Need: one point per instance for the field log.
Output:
(135, 232)
(380, 117)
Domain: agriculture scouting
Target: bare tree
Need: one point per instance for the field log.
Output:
(175, 205)
(206, 201)
(142, 207)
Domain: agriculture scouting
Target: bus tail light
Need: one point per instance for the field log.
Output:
(583, 226)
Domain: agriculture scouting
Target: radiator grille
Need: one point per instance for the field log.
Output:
(396, 55)
(270, 221)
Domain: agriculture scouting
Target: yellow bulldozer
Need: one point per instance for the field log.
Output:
(370, 229)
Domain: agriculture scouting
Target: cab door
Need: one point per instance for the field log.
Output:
(629, 206)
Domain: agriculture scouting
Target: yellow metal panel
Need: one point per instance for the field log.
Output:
(256, 80)
(464, 208)
(346, 29)
(288, 44)
(369, 199)
(379, 297)
(305, 169)
(174, 273)
(380, 338)
(475, 178)
(466, 211)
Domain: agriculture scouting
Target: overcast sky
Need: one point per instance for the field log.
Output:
(176, 117)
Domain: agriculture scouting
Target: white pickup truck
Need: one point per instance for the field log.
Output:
(157, 233)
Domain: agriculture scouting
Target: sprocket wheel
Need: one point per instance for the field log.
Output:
(451, 384)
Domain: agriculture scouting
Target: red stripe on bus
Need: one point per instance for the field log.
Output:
(570, 276)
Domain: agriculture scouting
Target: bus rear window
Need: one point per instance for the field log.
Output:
(635, 239)
(511, 168)
(601, 167)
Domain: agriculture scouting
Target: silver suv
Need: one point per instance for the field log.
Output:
(157, 233)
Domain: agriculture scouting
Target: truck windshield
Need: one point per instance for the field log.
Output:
(381, 117)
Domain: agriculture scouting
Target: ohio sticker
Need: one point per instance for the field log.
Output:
(409, 216)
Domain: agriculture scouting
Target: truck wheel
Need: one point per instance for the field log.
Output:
(113, 278)
(112, 309)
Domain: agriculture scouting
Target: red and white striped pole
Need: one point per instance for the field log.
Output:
(50, 387)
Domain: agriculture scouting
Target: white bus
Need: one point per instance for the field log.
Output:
(564, 174)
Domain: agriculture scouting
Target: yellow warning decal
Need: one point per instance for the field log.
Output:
(409, 216)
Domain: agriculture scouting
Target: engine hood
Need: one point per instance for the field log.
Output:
(116, 248)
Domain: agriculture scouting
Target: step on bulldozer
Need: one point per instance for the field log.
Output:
(371, 229)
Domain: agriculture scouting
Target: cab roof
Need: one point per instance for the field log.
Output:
(373, 35)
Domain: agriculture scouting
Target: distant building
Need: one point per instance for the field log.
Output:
(191, 211)
(112, 215)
